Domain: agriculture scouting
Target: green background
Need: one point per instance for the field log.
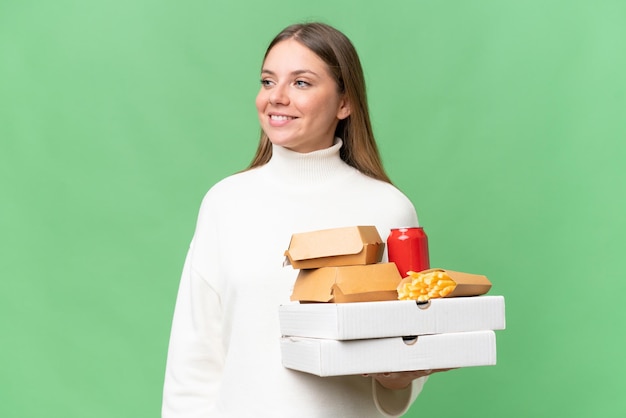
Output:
(503, 121)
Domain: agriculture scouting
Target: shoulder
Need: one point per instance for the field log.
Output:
(234, 184)
(383, 198)
(224, 199)
(393, 191)
(382, 189)
(226, 193)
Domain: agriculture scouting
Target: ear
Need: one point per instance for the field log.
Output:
(344, 109)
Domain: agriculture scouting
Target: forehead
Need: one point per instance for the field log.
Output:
(290, 55)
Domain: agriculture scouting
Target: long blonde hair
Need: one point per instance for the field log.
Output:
(359, 147)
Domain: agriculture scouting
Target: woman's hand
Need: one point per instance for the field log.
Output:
(401, 380)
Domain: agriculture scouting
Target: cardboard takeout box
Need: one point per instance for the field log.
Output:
(355, 245)
(351, 321)
(466, 284)
(372, 282)
(324, 357)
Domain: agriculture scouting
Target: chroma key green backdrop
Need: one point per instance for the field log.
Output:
(503, 121)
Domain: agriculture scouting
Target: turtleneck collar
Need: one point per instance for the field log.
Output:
(308, 168)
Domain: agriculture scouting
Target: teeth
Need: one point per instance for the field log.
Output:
(280, 117)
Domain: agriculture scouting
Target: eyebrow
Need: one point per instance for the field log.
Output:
(293, 73)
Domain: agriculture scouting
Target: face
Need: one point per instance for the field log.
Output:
(299, 104)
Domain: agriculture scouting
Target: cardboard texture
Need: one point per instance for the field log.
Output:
(325, 357)
(348, 321)
(355, 245)
(372, 282)
(468, 284)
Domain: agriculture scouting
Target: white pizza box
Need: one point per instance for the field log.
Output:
(325, 357)
(361, 320)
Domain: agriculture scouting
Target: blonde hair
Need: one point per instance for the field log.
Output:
(359, 147)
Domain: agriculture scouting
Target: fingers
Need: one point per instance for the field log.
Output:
(444, 370)
(376, 375)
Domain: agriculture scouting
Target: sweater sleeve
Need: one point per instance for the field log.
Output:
(195, 355)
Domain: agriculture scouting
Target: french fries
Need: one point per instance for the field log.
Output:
(426, 285)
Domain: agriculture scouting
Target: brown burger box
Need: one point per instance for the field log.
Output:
(371, 282)
(346, 246)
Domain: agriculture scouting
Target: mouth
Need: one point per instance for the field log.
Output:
(281, 118)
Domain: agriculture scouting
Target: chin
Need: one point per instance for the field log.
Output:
(286, 144)
(283, 142)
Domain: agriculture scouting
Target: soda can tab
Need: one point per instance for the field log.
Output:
(408, 249)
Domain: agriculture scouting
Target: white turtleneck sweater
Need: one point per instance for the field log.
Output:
(224, 353)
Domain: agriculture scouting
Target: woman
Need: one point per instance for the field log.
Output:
(317, 166)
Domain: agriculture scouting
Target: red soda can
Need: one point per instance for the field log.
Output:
(408, 248)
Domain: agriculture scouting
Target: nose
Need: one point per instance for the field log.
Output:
(278, 95)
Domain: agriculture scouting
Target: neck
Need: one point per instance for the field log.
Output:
(302, 169)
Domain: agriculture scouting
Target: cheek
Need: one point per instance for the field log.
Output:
(261, 101)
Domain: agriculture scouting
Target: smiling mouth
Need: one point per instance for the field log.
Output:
(281, 117)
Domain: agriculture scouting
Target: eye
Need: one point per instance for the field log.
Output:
(302, 83)
(265, 82)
